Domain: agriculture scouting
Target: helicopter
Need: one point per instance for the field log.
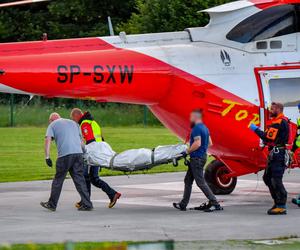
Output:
(245, 58)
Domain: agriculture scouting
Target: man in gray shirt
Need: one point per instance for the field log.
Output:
(66, 134)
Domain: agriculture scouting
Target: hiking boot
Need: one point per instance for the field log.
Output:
(78, 204)
(216, 207)
(179, 206)
(48, 206)
(114, 200)
(277, 211)
(85, 208)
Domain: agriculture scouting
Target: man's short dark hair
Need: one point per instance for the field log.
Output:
(278, 105)
(198, 112)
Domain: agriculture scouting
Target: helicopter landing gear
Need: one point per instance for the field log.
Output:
(216, 177)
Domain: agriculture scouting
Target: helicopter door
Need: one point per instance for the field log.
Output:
(281, 86)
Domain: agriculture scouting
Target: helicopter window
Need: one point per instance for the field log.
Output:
(261, 45)
(273, 22)
(289, 86)
(276, 44)
(298, 17)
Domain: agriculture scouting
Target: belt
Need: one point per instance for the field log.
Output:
(277, 147)
(90, 141)
(199, 157)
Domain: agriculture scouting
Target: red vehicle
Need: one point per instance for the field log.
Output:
(245, 58)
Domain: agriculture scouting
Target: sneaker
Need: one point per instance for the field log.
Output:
(47, 206)
(85, 208)
(179, 206)
(213, 208)
(114, 200)
(78, 204)
(277, 211)
(204, 206)
(296, 201)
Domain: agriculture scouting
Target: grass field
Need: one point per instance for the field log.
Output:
(35, 115)
(276, 244)
(22, 155)
(91, 246)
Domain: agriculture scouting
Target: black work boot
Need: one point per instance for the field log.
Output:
(85, 208)
(179, 206)
(48, 206)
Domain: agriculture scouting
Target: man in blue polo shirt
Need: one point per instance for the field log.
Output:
(200, 140)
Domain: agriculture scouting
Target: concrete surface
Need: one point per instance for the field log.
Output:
(144, 213)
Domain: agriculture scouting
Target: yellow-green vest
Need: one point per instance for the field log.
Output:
(96, 129)
(298, 133)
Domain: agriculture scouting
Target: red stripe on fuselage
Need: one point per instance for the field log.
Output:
(264, 4)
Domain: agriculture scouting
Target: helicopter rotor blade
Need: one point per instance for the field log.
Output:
(3, 5)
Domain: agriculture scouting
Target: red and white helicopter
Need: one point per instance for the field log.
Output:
(245, 58)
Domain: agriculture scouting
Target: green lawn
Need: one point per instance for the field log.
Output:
(276, 244)
(35, 115)
(22, 157)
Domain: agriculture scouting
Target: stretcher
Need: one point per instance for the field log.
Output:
(101, 154)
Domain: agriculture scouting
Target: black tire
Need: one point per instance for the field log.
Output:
(221, 186)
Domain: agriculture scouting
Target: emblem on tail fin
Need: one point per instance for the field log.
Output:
(225, 57)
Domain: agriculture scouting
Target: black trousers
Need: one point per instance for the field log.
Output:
(74, 165)
(91, 175)
(195, 172)
(273, 177)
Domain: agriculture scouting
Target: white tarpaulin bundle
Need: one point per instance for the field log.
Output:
(101, 154)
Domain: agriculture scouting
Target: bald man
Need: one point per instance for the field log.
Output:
(67, 136)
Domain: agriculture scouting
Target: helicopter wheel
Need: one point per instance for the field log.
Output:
(215, 176)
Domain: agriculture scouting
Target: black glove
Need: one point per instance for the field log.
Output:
(49, 162)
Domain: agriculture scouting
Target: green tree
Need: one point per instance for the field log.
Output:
(168, 15)
(62, 19)
(82, 18)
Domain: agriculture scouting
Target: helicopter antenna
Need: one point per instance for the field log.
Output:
(110, 26)
(3, 5)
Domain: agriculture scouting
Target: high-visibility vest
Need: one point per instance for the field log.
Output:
(96, 129)
(298, 133)
(272, 132)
